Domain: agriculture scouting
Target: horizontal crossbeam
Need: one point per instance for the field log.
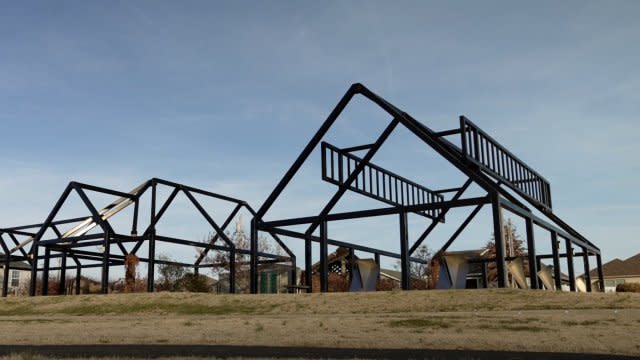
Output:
(377, 212)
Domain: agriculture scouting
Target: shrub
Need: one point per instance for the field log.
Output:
(196, 283)
(628, 287)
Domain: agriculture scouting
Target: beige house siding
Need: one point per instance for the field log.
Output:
(23, 278)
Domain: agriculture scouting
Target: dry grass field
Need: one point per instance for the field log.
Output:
(512, 320)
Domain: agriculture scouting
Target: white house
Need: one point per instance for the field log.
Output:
(19, 276)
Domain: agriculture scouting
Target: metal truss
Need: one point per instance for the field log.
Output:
(75, 242)
(482, 159)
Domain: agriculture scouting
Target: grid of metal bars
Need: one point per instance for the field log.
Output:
(481, 149)
(376, 182)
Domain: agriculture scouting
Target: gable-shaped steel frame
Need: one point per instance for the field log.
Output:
(482, 159)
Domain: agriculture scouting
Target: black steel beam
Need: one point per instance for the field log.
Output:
(209, 219)
(273, 235)
(357, 148)
(448, 132)
(152, 239)
(499, 242)
(198, 191)
(460, 229)
(547, 226)
(587, 276)
(324, 266)
(223, 227)
(572, 275)
(531, 251)
(308, 149)
(78, 185)
(5, 275)
(299, 235)
(308, 276)
(267, 225)
(45, 272)
(63, 274)
(104, 284)
(38, 226)
(342, 188)
(404, 252)
(71, 240)
(600, 272)
(555, 247)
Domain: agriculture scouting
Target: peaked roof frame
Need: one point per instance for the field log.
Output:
(74, 242)
(482, 159)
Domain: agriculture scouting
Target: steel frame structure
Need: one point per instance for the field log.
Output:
(502, 176)
(73, 243)
(482, 159)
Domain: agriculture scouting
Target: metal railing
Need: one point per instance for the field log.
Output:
(481, 149)
(376, 182)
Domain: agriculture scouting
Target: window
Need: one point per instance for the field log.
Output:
(613, 282)
(15, 278)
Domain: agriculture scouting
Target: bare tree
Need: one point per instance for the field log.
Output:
(241, 240)
(514, 247)
(419, 273)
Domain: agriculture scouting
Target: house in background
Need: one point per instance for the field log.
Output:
(273, 278)
(19, 276)
(618, 272)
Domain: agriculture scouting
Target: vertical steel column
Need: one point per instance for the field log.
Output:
(232, 271)
(404, 251)
(34, 269)
(531, 249)
(134, 223)
(253, 257)
(555, 248)
(62, 285)
(499, 241)
(587, 276)
(376, 256)
(44, 287)
(151, 264)
(104, 283)
(600, 273)
(293, 274)
(572, 277)
(324, 252)
(5, 276)
(308, 278)
(352, 258)
(485, 280)
(78, 277)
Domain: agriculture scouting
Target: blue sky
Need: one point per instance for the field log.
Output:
(225, 95)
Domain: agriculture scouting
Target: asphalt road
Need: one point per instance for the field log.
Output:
(217, 351)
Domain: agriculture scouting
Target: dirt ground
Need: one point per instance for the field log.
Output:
(509, 320)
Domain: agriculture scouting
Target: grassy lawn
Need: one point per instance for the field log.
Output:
(514, 320)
